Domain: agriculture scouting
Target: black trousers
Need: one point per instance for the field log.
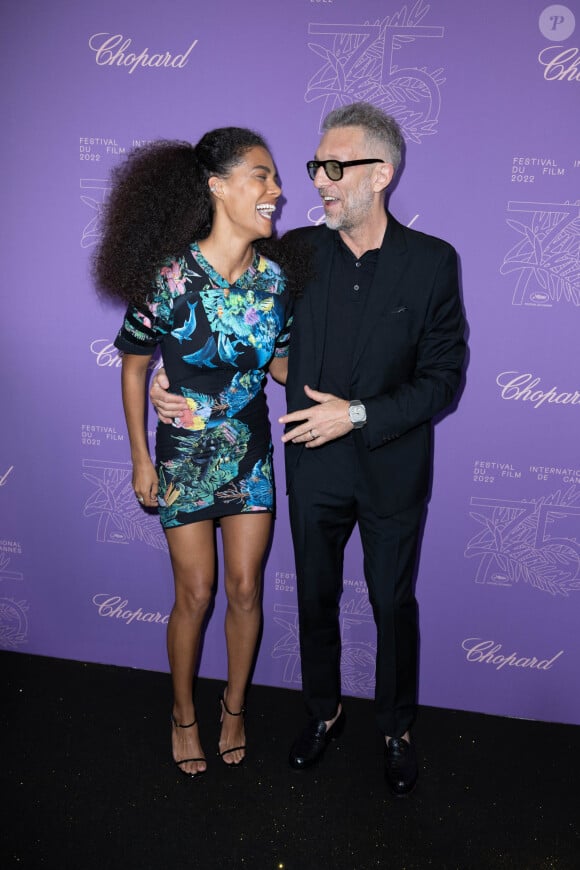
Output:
(327, 498)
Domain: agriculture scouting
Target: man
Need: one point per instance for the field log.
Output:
(376, 352)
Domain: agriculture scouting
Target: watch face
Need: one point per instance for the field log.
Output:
(357, 413)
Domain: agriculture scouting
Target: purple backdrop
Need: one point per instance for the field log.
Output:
(488, 97)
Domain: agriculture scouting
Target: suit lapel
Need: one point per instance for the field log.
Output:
(390, 265)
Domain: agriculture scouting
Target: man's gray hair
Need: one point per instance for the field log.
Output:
(380, 129)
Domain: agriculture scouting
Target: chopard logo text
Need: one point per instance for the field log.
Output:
(487, 652)
(113, 607)
(526, 388)
(106, 353)
(560, 64)
(113, 50)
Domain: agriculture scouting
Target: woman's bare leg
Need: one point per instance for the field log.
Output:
(245, 538)
(192, 551)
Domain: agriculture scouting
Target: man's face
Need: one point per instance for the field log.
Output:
(347, 203)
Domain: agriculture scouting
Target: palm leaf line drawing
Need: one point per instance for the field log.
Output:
(113, 502)
(359, 606)
(288, 643)
(358, 668)
(549, 252)
(353, 70)
(511, 546)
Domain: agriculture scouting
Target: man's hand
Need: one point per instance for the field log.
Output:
(168, 405)
(323, 422)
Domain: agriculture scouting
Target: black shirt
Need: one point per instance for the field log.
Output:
(350, 281)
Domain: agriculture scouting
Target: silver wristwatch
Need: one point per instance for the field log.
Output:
(357, 413)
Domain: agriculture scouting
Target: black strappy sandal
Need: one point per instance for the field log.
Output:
(224, 709)
(176, 724)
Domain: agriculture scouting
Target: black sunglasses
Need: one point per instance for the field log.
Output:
(335, 168)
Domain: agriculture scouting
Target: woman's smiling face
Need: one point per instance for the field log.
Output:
(249, 194)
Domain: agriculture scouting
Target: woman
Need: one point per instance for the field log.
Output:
(178, 246)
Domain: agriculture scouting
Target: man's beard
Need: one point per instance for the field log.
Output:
(355, 209)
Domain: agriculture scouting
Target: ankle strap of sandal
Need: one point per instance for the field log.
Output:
(228, 711)
(177, 725)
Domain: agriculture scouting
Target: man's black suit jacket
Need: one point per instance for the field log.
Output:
(407, 362)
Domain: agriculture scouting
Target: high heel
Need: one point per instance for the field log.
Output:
(176, 724)
(225, 709)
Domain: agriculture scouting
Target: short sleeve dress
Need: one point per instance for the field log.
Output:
(216, 341)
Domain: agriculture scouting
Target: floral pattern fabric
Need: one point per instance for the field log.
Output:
(216, 340)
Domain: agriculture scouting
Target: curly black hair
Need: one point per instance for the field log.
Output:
(160, 202)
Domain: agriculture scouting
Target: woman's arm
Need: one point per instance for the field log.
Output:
(278, 368)
(133, 381)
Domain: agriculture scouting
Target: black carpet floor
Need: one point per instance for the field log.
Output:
(87, 782)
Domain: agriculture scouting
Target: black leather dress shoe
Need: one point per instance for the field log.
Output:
(400, 766)
(310, 745)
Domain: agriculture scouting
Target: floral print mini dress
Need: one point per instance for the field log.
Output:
(216, 342)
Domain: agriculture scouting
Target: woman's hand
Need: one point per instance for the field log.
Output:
(145, 483)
